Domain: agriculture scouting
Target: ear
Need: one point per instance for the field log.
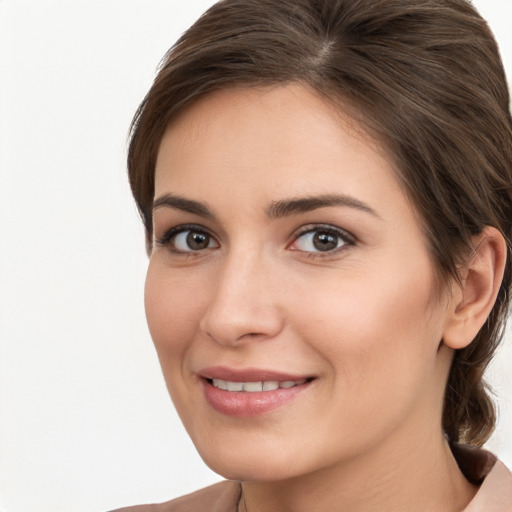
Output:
(472, 301)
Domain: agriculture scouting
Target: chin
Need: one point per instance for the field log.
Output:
(243, 466)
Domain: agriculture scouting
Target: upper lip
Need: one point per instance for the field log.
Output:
(248, 374)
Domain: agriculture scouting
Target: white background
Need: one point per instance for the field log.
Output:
(85, 421)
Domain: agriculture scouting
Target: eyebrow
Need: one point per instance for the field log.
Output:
(299, 205)
(277, 209)
(185, 205)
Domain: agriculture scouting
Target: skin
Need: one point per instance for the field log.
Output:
(363, 319)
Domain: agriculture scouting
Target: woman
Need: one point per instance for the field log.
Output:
(326, 187)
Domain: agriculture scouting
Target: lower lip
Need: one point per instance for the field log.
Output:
(244, 404)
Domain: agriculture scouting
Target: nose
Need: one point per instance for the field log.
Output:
(244, 305)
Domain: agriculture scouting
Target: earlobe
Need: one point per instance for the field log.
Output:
(473, 300)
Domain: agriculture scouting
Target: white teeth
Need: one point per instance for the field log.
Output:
(254, 387)
(270, 385)
(221, 384)
(235, 386)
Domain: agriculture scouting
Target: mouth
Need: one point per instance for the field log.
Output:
(250, 392)
(256, 386)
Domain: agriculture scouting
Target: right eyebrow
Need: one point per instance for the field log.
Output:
(185, 205)
(300, 205)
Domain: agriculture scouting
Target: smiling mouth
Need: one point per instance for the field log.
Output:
(250, 392)
(255, 386)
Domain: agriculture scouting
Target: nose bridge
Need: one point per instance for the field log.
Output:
(244, 303)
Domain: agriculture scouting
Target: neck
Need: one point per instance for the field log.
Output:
(392, 478)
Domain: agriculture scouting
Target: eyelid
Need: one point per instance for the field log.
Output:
(165, 239)
(345, 236)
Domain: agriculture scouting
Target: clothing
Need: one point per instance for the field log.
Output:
(482, 468)
(479, 466)
(221, 497)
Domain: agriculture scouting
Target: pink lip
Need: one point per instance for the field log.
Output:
(246, 404)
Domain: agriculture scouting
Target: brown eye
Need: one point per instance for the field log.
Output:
(190, 240)
(325, 241)
(322, 240)
(197, 241)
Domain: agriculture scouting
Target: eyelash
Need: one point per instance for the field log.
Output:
(168, 236)
(345, 237)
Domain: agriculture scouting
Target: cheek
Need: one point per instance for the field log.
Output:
(374, 332)
(173, 310)
(379, 344)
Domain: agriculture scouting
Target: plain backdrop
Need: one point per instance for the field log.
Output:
(85, 421)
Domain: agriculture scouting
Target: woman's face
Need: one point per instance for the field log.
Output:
(290, 268)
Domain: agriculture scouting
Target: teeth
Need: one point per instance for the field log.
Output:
(270, 385)
(254, 387)
(235, 386)
(221, 384)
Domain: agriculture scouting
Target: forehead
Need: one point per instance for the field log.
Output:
(278, 135)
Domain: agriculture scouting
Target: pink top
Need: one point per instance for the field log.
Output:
(482, 467)
(479, 466)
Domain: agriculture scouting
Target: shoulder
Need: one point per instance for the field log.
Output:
(492, 476)
(221, 497)
(495, 493)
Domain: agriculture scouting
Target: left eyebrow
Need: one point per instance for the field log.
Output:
(185, 205)
(286, 207)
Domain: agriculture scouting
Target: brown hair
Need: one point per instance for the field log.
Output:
(425, 77)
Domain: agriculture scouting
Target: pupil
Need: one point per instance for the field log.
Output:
(325, 241)
(197, 241)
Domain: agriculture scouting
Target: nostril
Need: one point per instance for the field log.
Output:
(231, 319)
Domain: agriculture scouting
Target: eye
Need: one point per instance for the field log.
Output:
(321, 239)
(188, 239)
(191, 240)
